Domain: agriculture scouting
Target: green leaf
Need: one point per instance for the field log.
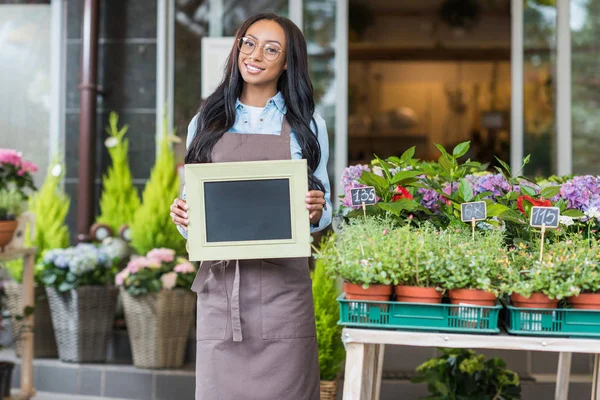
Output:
(550, 191)
(397, 207)
(407, 155)
(442, 150)
(504, 165)
(527, 190)
(394, 160)
(445, 163)
(461, 149)
(443, 389)
(465, 190)
(370, 179)
(65, 287)
(403, 175)
(572, 213)
(496, 210)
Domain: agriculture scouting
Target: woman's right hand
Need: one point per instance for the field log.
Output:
(179, 213)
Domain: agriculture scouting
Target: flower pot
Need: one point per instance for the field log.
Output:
(474, 297)
(415, 294)
(328, 390)
(536, 300)
(373, 293)
(585, 301)
(158, 325)
(6, 371)
(83, 320)
(7, 230)
(44, 342)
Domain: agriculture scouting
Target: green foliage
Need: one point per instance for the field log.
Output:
(329, 333)
(11, 204)
(152, 226)
(119, 199)
(460, 374)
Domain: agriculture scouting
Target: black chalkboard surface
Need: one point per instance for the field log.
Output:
(476, 210)
(544, 217)
(363, 195)
(247, 210)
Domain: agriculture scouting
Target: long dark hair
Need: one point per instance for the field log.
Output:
(217, 113)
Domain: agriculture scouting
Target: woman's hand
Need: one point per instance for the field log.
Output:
(315, 201)
(179, 213)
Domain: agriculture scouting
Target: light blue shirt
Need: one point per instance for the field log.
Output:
(269, 123)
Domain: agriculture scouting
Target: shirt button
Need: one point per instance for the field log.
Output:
(245, 122)
(261, 120)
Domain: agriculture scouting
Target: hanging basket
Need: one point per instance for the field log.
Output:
(159, 325)
(328, 390)
(83, 319)
(44, 343)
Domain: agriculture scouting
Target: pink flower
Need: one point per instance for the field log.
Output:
(121, 276)
(10, 156)
(137, 262)
(27, 167)
(385, 232)
(184, 268)
(161, 255)
(169, 280)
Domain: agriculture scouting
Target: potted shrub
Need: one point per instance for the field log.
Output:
(363, 255)
(463, 374)
(11, 206)
(159, 307)
(470, 270)
(82, 300)
(416, 279)
(329, 333)
(586, 276)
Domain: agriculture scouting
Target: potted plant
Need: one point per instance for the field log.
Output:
(363, 255)
(585, 275)
(463, 374)
(159, 307)
(416, 279)
(329, 333)
(82, 300)
(471, 270)
(11, 206)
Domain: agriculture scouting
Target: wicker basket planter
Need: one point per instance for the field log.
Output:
(329, 390)
(44, 343)
(83, 319)
(159, 326)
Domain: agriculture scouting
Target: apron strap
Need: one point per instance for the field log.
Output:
(286, 129)
(236, 322)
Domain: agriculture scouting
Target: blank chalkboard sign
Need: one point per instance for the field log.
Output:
(544, 217)
(247, 210)
(363, 195)
(474, 211)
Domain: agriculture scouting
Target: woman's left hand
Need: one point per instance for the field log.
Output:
(315, 201)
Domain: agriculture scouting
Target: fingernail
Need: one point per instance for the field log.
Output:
(187, 222)
(184, 215)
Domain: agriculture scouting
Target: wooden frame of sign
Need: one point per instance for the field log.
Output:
(247, 210)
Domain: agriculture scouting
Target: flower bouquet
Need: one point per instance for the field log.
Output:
(159, 307)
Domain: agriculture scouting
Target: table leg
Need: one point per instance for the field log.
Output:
(360, 371)
(27, 389)
(562, 376)
(380, 353)
(596, 378)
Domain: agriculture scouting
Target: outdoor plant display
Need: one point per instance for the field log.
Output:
(15, 172)
(329, 333)
(159, 307)
(82, 300)
(460, 374)
(586, 278)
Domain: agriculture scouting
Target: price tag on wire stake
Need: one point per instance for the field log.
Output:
(363, 196)
(475, 211)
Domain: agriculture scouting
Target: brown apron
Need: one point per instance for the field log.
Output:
(255, 335)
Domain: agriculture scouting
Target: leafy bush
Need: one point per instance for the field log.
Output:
(11, 204)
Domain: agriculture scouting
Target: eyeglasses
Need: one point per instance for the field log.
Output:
(270, 52)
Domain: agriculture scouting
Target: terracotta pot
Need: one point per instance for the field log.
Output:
(474, 297)
(373, 293)
(7, 230)
(585, 301)
(536, 300)
(415, 294)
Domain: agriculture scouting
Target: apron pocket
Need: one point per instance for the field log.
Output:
(211, 317)
(287, 308)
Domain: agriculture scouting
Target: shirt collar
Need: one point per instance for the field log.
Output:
(278, 100)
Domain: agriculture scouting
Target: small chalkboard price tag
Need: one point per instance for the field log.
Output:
(363, 196)
(475, 211)
(544, 217)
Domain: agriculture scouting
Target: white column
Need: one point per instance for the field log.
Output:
(517, 69)
(58, 39)
(215, 24)
(341, 82)
(564, 146)
(296, 12)
(165, 55)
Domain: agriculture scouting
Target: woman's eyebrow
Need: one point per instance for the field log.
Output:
(268, 41)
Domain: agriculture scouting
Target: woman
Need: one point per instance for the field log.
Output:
(255, 325)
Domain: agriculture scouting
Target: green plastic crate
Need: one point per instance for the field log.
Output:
(417, 316)
(553, 322)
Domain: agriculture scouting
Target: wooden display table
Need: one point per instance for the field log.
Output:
(27, 390)
(365, 350)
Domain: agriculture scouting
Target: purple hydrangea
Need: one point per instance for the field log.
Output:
(350, 179)
(581, 192)
(494, 183)
(430, 199)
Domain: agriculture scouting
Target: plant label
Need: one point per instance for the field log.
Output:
(475, 211)
(544, 217)
(363, 195)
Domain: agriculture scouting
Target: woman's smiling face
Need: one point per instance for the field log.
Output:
(255, 69)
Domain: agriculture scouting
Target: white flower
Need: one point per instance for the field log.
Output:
(593, 212)
(111, 142)
(378, 171)
(169, 280)
(566, 221)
